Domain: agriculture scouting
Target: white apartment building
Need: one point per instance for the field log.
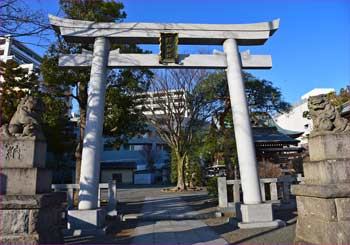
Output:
(12, 49)
(294, 120)
(129, 164)
(154, 102)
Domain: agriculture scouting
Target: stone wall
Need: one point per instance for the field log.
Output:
(30, 212)
(324, 200)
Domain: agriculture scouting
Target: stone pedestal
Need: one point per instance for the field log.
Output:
(324, 200)
(86, 222)
(31, 214)
(258, 216)
(31, 219)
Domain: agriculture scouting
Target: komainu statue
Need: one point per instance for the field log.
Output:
(26, 120)
(325, 116)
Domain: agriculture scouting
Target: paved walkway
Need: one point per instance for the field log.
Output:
(160, 224)
(156, 217)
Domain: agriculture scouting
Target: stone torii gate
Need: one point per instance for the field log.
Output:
(254, 212)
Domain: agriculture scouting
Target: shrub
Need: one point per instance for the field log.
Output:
(212, 187)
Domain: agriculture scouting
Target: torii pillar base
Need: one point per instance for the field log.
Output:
(258, 216)
(86, 222)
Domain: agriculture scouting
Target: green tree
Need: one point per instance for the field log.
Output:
(261, 95)
(122, 85)
(180, 111)
(338, 99)
(173, 168)
(17, 84)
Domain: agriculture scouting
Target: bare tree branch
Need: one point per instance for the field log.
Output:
(18, 19)
(177, 109)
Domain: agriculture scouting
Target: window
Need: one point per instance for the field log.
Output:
(137, 147)
(118, 178)
(1, 52)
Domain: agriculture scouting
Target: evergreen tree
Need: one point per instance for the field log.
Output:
(262, 97)
(17, 84)
(122, 120)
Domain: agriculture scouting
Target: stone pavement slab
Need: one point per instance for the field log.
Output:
(172, 231)
(175, 232)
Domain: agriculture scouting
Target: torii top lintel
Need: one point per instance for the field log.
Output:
(148, 33)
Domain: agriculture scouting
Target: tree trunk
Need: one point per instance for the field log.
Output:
(236, 177)
(180, 172)
(82, 110)
(227, 155)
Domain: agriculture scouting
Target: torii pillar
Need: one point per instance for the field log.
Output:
(92, 144)
(254, 212)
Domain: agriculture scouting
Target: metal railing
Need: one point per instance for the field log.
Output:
(107, 192)
(272, 189)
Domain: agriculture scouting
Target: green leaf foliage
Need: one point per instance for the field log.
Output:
(216, 144)
(17, 84)
(93, 10)
(122, 120)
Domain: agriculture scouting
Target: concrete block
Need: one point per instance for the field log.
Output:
(269, 224)
(14, 221)
(45, 219)
(324, 191)
(317, 208)
(22, 153)
(256, 212)
(316, 231)
(327, 171)
(343, 208)
(20, 239)
(86, 219)
(329, 146)
(25, 181)
(49, 200)
(222, 192)
(33, 225)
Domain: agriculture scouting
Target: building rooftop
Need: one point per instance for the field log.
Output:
(118, 165)
(317, 91)
(264, 135)
(264, 120)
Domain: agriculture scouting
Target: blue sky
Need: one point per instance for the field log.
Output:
(310, 50)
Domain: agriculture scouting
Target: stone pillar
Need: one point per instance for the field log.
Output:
(90, 165)
(112, 202)
(324, 200)
(243, 132)
(222, 192)
(30, 212)
(254, 212)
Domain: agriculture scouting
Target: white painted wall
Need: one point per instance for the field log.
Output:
(107, 175)
(294, 119)
(146, 178)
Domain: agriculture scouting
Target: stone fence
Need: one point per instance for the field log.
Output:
(106, 192)
(272, 189)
